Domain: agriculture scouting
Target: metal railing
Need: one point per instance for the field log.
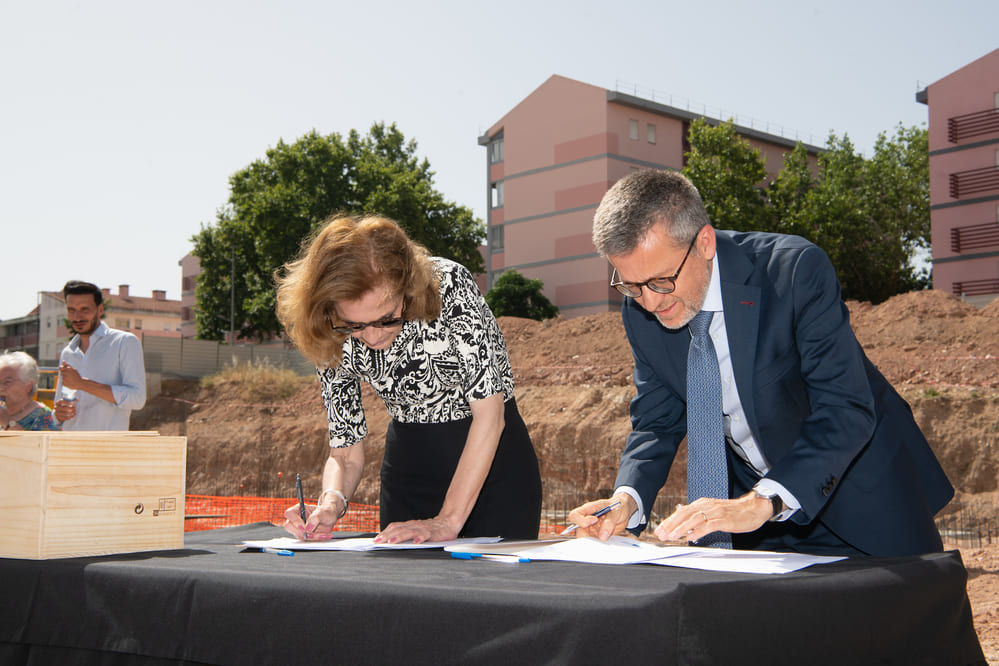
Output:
(972, 124)
(717, 113)
(974, 181)
(976, 287)
(974, 236)
(970, 526)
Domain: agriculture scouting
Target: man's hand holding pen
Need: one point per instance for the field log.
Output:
(612, 522)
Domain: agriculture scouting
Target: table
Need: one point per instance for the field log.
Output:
(215, 602)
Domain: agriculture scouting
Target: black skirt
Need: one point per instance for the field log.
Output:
(421, 458)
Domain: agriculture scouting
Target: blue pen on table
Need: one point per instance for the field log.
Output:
(495, 557)
(277, 551)
(301, 498)
(601, 512)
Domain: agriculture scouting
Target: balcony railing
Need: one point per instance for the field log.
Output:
(972, 124)
(18, 341)
(976, 287)
(974, 181)
(974, 236)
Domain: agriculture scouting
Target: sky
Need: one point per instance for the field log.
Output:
(122, 121)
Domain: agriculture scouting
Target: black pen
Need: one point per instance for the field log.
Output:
(601, 512)
(301, 498)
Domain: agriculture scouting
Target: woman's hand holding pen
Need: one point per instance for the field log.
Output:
(610, 523)
(319, 519)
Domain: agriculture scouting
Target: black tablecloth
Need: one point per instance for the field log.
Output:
(215, 602)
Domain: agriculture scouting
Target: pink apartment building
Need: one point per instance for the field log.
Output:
(964, 179)
(550, 160)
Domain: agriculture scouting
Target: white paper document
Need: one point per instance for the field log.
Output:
(359, 543)
(625, 550)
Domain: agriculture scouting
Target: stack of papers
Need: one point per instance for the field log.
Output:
(625, 550)
(617, 550)
(361, 543)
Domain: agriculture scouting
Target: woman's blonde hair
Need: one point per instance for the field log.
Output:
(347, 258)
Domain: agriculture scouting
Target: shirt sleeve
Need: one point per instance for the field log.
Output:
(481, 348)
(131, 393)
(344, 408)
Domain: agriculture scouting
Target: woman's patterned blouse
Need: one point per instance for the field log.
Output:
(430, 372)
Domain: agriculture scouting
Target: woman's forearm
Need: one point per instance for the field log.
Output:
(475, 461)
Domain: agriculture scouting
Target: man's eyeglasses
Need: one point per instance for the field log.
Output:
(660, 285)
(348, 328)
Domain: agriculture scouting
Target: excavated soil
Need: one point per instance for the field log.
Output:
(573, 381)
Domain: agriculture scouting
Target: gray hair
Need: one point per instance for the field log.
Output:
(642, 199)
(27, 369)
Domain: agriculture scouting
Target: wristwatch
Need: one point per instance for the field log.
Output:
(775, 501)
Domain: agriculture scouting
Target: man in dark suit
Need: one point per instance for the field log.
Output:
(823, 456)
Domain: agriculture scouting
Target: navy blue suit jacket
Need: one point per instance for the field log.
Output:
(835, 432)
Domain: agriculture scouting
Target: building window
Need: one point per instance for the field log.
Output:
(650, 133)
(496, 238)
(496, 150)
(497, 194)
(633, 130)
(121, 323)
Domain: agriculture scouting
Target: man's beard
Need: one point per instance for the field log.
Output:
(92, 325)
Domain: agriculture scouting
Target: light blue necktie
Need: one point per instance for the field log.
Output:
(707, 469)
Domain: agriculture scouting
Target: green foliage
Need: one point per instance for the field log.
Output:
(727, 171)
(871, 216)
(514, 295)
(277, 203)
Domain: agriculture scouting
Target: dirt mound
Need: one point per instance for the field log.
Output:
(574, 382)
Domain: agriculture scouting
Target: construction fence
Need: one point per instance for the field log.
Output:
(187, 358)
(966, 528)
(207, 512)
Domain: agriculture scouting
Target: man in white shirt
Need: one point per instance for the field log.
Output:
(102, 377)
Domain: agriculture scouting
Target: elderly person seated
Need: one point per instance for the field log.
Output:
(18, 383)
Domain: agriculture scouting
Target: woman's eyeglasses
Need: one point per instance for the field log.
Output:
(350, 327)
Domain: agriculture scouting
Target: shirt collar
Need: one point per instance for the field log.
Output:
(713, 299)
(99, 332)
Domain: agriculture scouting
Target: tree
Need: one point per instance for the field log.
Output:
(871, 216)
(277, 203)
(514, 295)
(730, 175)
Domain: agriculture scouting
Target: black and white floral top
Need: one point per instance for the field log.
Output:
(431, 371)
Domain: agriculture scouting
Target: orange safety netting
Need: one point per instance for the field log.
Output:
(206, 512)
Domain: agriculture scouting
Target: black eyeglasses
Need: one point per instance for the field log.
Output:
(660, 285)
(348, 328)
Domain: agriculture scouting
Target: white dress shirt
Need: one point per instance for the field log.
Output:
(114, 358)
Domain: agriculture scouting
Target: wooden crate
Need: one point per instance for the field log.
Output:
(72, 494)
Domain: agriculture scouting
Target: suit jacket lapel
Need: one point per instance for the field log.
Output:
(742, 321)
